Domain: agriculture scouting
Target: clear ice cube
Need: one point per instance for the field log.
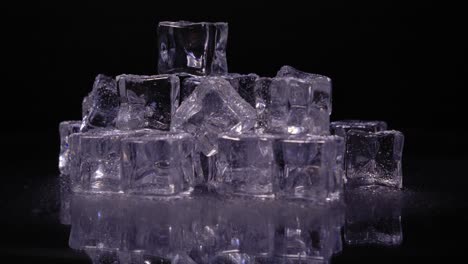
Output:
(214, 107)
(98, 161)
(66, 128)
(188, 83)
(247, 165)
(157, 164)
(374, 158)
(311, 168)
(290, 105)
(321, 84)
(147, 101)
(101, 106)
(244, 84)
(195, 48)
(341, 127)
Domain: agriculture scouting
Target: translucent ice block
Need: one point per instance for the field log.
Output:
(101, 106)
(147, 101)
(195, 48)
(311, 168)
(157, 164)
(214, 107)
(247, 165)
(290, 105)
(374, 158)
(97, 164)
(322, 86)
(341, 127)
(66, 128)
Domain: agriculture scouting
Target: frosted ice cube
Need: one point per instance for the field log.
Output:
(101, 106)
(341, 127)
(374, 158)
(247, 166)
(66, 128)
(157, 164)
(147, 101)
(195, 48)
(291, 106)
(214, 107)
(322, 85)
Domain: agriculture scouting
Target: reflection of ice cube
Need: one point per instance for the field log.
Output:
(195, 48)
(307, 233)
(373, 216)
(374, 158)
(97, 222)
(203, 230)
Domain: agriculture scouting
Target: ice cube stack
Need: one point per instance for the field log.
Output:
(197, 126)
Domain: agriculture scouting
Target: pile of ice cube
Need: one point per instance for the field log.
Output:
(197, 127)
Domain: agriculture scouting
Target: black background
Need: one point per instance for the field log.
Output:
(405, 64)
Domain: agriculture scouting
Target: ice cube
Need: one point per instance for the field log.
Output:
(247, 166)
(244, 85)
(195, 48)
(188, 83)
(98, 162)
(214, 107)
(66, 128)
(374, 158)
(341, 127)
(290, 106)
(147, 101)
(101, 106)
(205, 170)
(157, 164)
(311, 169)
(321, 84)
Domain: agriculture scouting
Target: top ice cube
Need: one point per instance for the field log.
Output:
(195, 48)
